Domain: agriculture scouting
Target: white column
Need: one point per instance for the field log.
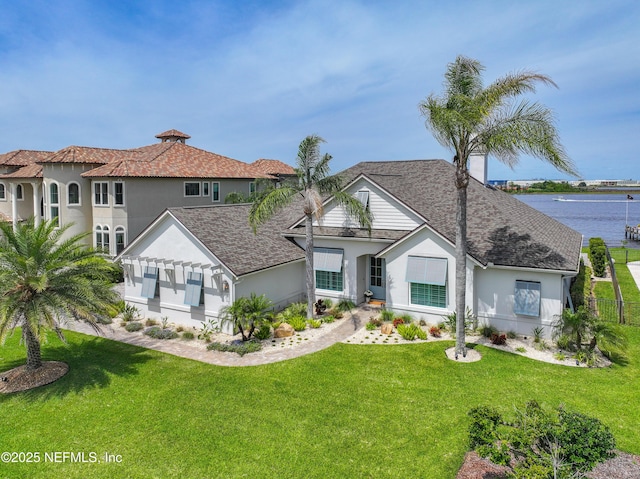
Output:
(36, 203)
(14, 205)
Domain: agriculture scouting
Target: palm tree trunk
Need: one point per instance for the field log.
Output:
(311, 286)
(462, 181)
(34, 358)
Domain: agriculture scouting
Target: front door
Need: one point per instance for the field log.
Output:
(377, 274)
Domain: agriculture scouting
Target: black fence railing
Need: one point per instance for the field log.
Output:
(615, 311)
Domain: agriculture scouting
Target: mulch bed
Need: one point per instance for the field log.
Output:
(623, 466)
(21, 379)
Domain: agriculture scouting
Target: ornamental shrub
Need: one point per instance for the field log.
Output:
(133, 326)
(598, 256)
(239, 348)
(159, 333)
(298, 323)
(264, 332)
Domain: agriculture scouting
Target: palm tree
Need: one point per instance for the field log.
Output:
(313, 183)
(45, 280)
(471, 119)
(247, 314)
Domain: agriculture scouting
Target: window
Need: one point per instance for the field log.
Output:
(3, 192)
(73, 194)
(119, 239)
(118, 193)
(19, 192)
(526, 300)
(150, 282)
(252, 187)
(101, 193)
(205, 188)
(193, 294)
(102, 238)
(191, 189)
(216, 191)
(54, 204)
(428, 281)
(363, 197)
(327, 263)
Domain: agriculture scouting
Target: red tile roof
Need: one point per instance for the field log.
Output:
(273, 167)
(30, 171)
(172, 134)
(23, 157)
(175, 160)
(85, 155)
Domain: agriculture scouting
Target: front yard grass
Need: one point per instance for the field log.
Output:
(347, 411)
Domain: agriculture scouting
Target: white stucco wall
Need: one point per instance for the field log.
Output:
(495, 290)
(282, 285)
(424, 243)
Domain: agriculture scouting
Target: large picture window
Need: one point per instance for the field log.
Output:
(427, 278)
(526, 299)
(327, 263)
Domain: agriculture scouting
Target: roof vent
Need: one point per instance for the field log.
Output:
(173, 135)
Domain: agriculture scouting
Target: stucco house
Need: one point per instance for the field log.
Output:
(116, 193)
(192, 261)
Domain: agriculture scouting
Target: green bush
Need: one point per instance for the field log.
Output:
(298, 323)
(387, 315)
(581, 286)
(411, 331)
(314, 323)
(239, 348)
(540, 443)
(487, 330)
(345, 305)
(150, 322)
(264, 332)
(598, 256)
(188, 335)
(328, 319)
(370, 326)
(157, 332)
(133, 326)
(129, 313)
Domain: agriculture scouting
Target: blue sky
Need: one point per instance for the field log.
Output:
(250, 79)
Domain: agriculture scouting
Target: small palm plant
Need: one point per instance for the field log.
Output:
(247, 314)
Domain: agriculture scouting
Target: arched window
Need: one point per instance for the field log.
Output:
(3, 192)
(19, 192)
(120, 239)
(102, 238)
(54, 203)
(73, 193)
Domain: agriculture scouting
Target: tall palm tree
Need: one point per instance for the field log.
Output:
(313, 184)
(469, 119)
(45, 280)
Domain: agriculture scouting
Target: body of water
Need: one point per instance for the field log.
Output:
(593, 215)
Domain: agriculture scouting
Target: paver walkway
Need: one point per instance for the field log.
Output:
(348, 327)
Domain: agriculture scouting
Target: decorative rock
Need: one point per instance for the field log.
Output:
(283, 331)
(386, 328)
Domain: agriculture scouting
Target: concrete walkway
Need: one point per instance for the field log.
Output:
(634, 269)
(197, 350)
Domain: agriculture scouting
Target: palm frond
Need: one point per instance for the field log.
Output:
(263, 209)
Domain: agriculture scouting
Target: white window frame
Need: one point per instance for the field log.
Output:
(363, 197)
(215, 191)
(105, 232)
(205, 188)
(430, 271)
(79, 202)
(19, 192)
(115, 202)
(3, 192)
(192, 183)
(104, 196)
(120, 230)
(54, 205)
(527, 298)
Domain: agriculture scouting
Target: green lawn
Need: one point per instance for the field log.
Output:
(348, 411)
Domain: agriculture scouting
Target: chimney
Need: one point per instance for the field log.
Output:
(172, 135)
(478, 166)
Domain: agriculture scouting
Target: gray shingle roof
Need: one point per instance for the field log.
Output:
(500, 228)
(225, 231)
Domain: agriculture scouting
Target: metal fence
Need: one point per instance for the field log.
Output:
(623, 312)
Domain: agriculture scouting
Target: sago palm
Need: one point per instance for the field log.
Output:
(314, 183)
(46, 280)
(472, 119)
(247, 314)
